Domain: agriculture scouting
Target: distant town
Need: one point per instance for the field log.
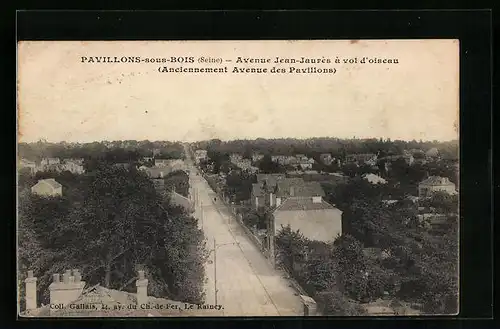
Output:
(278, 227)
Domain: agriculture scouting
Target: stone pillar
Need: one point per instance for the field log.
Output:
(67, 291)
(310, 307)
(142, 288)
(31, 302)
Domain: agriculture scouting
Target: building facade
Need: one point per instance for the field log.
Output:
(47, 188)
(433, 184)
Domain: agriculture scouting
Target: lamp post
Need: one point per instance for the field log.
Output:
(215, 264)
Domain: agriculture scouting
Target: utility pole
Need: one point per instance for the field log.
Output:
(215, 271)
(215, 263)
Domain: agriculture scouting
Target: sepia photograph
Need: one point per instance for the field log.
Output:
(237, 178)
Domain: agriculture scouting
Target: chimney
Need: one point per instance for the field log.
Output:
(142, 288)
(30, 282)
(271, 199)
(67, 291)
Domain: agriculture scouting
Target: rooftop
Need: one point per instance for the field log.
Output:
(303, 204)
(49, 181)
(300, 188)
(270, 179)
(374, 179)
(436, 180)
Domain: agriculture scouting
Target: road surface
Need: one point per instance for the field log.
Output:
(247, 284)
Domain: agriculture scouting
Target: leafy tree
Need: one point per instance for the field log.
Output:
(320, 272)
(179, 181)
(443, 202)
(350, 169)
(336, 304)
(247, 153)
(239, 185)
(267, 166)
(351, 266)
(122, 223)
(290, 247)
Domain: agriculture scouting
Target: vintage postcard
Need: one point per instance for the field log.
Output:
(238, 178)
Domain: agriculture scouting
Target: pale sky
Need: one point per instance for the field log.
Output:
(62, 99)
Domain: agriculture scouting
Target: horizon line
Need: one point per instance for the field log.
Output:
(241, 139)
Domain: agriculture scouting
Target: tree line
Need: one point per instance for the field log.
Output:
(119, 151)
(411, 263)
(339, 148)
(110, 223)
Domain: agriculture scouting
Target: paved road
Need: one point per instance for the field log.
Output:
(247, 284)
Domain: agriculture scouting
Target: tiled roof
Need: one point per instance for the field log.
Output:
(432, 152)
(374, 179)
(271, 179)
(300, 188)
(303, 203)
(436, 180)
(51, 182)
(180, 200)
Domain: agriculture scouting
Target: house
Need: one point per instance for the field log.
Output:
(360, 159)
(326, 159)
(30, 165)
(297, 188)
(266, 183)
(389, 203)
(408, 158)
(284, 160)
(270, 179)
(301, 157)
(161, 162)
(181, 201)
(240, 162)
(123, 165)
(72, 297)
(436, 223)
(435, 184)
(304, 165)
(50, 161)
(79, 161)
(412, 198)
(374, 179)
(300, 204)
(312, 216)
(155, 172)
(47, 187)
(432, 153)
(200, 155)
(73, 166)
(257, 157)
(176, 164)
